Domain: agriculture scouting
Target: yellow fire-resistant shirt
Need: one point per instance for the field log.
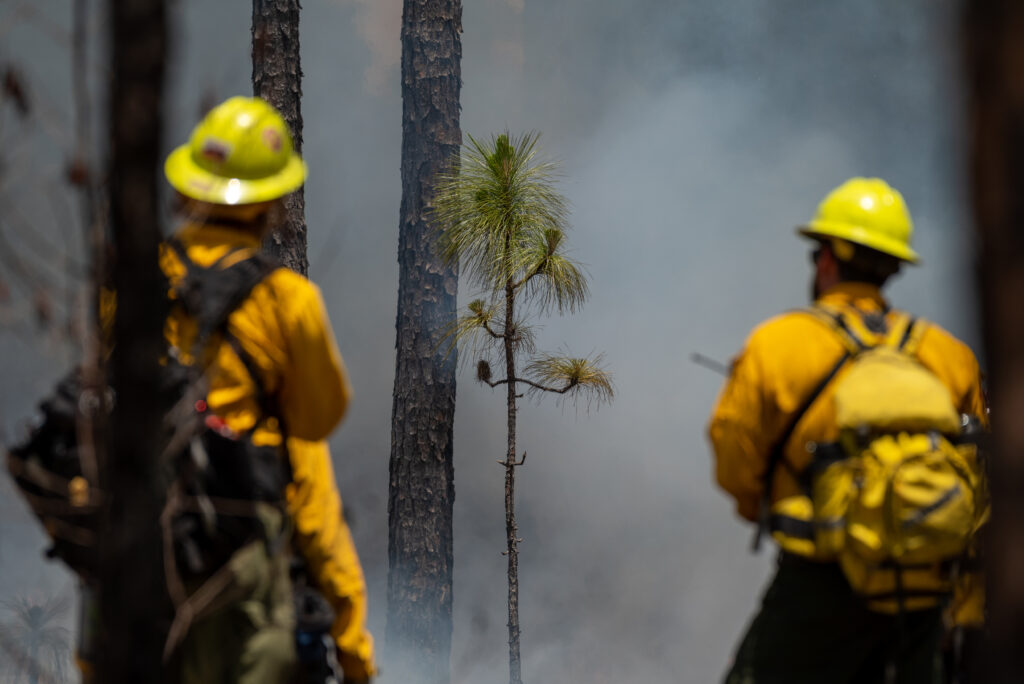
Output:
(781, 363)
(284, 329)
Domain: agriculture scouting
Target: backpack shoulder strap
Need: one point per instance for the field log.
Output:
(776, 455)
(908, 339)
(902, 333)
(834, 319)
(210, 294)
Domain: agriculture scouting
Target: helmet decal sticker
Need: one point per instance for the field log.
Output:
(215, 150)
(272, 139)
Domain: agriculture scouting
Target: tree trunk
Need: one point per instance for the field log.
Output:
(132, 609)
(277, 78)
(994, 51)
(83, 171)
(511, 529)
(422, 490)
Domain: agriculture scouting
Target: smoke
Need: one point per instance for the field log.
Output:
(379, 23)
(693, 138)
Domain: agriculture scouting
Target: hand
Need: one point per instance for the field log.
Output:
(357, 671)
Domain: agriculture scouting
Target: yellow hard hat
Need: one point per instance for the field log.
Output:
(240, 153)
(868, 212)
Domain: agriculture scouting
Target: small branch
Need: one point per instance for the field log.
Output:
(29, 276)
(545, 388)
(486, 326)
(513, 464)
(519, 540)
(525, 279)
(504, 381)
(42, 249)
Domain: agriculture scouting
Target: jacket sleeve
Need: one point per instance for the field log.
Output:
(737, 433)
(323, 539)
(315, 389)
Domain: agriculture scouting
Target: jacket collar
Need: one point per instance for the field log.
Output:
(211, 234)
(861, 296)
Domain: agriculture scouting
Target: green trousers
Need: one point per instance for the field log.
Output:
(812, 629)
(249, 637)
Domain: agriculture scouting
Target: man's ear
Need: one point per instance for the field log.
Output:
(841, 249)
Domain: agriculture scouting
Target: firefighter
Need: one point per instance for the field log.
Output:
(811, 626)
(230, 178)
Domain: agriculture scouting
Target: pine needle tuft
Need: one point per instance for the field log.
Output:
(575, 377)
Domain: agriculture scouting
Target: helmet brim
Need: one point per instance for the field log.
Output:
(193, 181)
(824, 230)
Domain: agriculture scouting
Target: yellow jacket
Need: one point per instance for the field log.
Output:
(324, 540)
(283, 327)
(782, 362)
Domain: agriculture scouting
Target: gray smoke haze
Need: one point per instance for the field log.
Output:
(693, 137)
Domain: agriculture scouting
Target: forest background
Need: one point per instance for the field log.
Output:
(693, 137)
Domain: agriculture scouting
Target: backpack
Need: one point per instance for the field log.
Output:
(59, 480)
(214, 477)
(896, 499)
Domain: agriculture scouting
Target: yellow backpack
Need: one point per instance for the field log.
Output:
(895, 499)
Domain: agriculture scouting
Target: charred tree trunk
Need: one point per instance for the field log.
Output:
(994, 42)
(422, 490)
(277, 78)
(82, 170)
(132, 611)
(515, 675)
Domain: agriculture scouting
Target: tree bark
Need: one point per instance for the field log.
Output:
(132, 610)
(82, 171)
(277, 78)
(422, 491)
(994, 52)
(511, 529)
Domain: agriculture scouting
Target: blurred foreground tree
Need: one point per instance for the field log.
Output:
(33, 644)
(502, 219)
(421, 488)
(994, 52)
(277, 78)
(131, 589)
